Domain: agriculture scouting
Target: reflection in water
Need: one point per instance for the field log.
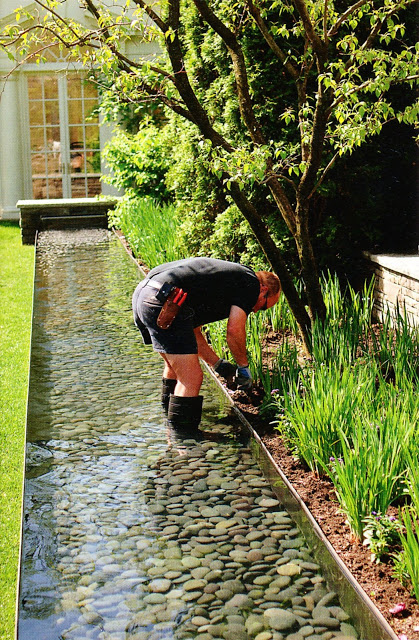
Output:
(130, 534)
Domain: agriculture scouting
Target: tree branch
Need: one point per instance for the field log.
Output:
(333, 30)
(318, 45)
(239, 67)
(164, 28)
(325, 36)
(256, 15)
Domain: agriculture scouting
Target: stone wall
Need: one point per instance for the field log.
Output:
(396, 285)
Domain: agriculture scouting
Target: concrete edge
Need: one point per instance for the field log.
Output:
(405, 265)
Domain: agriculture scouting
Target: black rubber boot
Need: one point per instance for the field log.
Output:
(184, 414)
(168, 387)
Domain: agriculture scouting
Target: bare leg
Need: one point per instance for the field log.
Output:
(185, 368)
(168, 372)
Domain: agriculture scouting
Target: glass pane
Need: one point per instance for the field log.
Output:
(37, 139)
(74, 86)
(52, 113)
(77, 159)
(75, 111)
(89, 111)
(76, 136)
(39, 165)
(78, 187)
(85, 187)
(35, 88)
(39, 188)
(90, 90)
(36, 113)
(51, 87)
(93, 161)
(52, 188)
(53, 162)
(92, 137)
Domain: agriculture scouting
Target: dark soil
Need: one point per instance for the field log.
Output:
(318, 494)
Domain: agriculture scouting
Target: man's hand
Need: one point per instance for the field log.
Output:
(244, 379)
(225, 369)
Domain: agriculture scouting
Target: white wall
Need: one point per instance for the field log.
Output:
(15, 182)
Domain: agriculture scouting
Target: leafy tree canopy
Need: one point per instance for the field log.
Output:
(273, 121)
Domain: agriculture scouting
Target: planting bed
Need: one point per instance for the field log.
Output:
(318, 494)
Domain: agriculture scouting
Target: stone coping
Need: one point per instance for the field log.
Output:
(60, 213)
(65, 202)
(407, 265)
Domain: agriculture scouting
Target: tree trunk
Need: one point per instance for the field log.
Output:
(308, 263)
(277, 263)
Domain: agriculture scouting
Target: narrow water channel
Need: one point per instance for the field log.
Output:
(129, 534)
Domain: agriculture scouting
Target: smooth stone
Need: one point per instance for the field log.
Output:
(327, 621)
(339, 614)
(173, 553)
(348, 630)
(255, 535)
(327, 599)
(160, 586)
(174, 594)
(240, 601)
(280, 619)
(155, 598)
(190, 562)
(194, 585)
(199, 621)
(262, 580)
(254, 624)
(224, 594)
(269, 502)
(225, 524)
(289, 569)
(311, 566)
(255, 555)
(235, 632)
(264, 635)
(294, 543)
(191, 595)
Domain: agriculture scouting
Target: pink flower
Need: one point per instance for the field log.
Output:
(403, 637)
(398, 608)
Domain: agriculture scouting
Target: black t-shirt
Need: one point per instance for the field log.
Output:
(213, 286)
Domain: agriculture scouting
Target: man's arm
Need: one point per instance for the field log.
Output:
(204, 350)
(236, 335)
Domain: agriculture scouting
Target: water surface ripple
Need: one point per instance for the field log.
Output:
(130, 534)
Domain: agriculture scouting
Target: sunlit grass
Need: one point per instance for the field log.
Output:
(16, 284)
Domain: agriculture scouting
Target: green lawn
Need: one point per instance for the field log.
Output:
(16, 284)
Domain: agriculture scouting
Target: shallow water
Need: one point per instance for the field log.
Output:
(130, 534)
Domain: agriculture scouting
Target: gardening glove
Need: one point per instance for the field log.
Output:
(225, 369)
(244, 379)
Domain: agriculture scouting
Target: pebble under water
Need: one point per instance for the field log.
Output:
(130, 534)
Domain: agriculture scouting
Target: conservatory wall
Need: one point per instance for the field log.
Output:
(50, 138)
